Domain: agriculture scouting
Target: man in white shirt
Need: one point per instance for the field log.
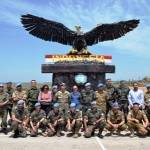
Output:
(136, 96)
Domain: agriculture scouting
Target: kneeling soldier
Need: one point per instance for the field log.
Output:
(20, 117)
(115, 120)
(37, 120)
(137, 120)
(74, 120)
(56, 121)
(94, 119)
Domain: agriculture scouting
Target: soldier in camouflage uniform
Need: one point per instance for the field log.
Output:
(137, 120)
(9, 90)
(115, 120)
(123, 91)
(4, 99)
(19, 94)
(87, 96)
(101, 97)
(63, 98)
(74, 120)
(94, 119)
(147, 96)
(38, 120)
(20, 117)
(32, 96)
(56, 121)
(110, 89)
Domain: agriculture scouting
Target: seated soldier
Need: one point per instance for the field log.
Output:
(74, 120)
(137, 120)
(56, 121)
(147, 111)
(115, 120)
(20, 117)
(94, 119)
(38, 120)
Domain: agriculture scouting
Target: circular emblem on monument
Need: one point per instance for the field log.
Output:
(80, 79)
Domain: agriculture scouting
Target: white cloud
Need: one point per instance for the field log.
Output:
(88, 14)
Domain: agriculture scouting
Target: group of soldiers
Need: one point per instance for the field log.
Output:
(112, 108)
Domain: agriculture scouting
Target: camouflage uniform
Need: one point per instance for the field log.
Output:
(140, 116)
(101, 99)
(57, 121)
(92, 117)
(22, 115)
(147, 98)
(35, 118)
(4, 97)
(63, 98)
(86, 98)
(18, 95)
(77, 117)
(32, 98)
(115, 118)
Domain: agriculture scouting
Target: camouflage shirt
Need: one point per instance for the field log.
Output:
(3, 98)
(115, 118)
(37, 116)
(32, 95)
(74, 115)
(147, 98)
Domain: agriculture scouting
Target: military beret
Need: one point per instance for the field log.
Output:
(20, 102)
(136, 104)
(148, 85)
(100, 85)
(93, 103)
(1, 85)
(9, 82)
(73, 105)
(62, 84)
(37, 105)
(18, 84)
(115, 105)
(56, 105)
(54, 87)
(88, 84)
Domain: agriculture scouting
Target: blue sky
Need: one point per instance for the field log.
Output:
(21, 54)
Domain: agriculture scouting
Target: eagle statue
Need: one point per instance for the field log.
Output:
(49, 30)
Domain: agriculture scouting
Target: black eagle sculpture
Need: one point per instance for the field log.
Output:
(57, 32)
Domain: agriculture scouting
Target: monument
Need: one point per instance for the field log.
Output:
(79, 65)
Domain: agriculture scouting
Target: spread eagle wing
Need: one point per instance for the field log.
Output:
(48, 30)
(107, 32)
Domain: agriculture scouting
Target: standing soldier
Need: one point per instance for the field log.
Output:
(147, 95)
(101, 97)
(4, 99)
(74, 120)
(123, 98)
(9, 90)
(54, 91)
(19, 94)
(137, 120)
(115, 120)
(110, 89)
(87, 96)
(32, 96)
(63, 98)
(94, 119)
(20, 117)
(38, 120)
(56, 121)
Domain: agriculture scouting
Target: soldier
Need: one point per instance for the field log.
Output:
(123, 99)
(101, 97)
(87, 96)
(147, 111)
(20, 117)
(9, 90)
(38, 120)
(32, 96)
(137, 120)
(115, 120)
(4, 99)
(94, 119)
(56, 121)
(74, 120)
(54, 91)
(147, 95)
(18, 94)
(110, 89)
(63, 98)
